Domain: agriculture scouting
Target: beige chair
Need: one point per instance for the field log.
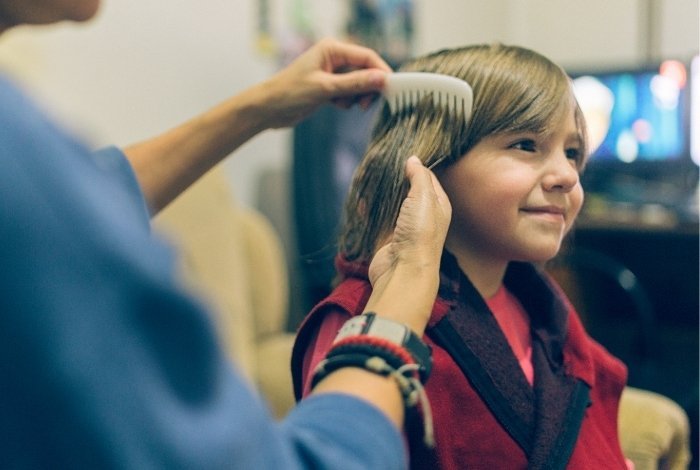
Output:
(233, 259)
(654, 431)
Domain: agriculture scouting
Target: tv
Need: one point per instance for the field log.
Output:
(640, 134)
(637, 115)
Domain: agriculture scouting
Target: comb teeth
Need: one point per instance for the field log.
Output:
(405, 90)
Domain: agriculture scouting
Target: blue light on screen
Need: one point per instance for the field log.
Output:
(636, 116)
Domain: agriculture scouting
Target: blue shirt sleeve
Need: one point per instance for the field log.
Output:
(113, 160)
(105, 362)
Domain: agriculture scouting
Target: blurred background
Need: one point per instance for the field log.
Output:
(142, 66)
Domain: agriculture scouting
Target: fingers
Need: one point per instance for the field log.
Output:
(424, 183)
(419, 176)
(363, 101)
(346, 55)
(356, 72)
(413, 165)
(442, 197)
(405, 272)
(358, 82)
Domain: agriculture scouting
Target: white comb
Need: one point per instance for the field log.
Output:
(404, 90)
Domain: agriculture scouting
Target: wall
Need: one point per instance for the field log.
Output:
(573, 33)
(144, 65)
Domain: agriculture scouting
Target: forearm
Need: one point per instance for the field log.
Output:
(406, 295)
(330, 70)
(381, 392)
(169, 163)
(405, 279)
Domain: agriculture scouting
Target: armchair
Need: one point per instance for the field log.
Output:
(232, 258)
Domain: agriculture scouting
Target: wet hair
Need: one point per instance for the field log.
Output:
(515, 90)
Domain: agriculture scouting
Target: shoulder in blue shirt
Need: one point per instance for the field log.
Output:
(105, 362)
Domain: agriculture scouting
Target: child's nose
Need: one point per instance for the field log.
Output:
(562, 174)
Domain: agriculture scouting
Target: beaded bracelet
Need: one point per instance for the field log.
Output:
(394, 354)
(411, 388)
(385, 357)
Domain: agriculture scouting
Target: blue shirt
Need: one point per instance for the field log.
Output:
(104, 361)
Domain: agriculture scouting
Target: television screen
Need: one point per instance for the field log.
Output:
(636, 115)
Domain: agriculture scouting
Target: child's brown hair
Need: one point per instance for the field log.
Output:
(515, 90)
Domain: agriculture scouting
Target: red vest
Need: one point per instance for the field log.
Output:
(486, 414)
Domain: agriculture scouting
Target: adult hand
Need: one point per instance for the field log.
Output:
(405, 272)
(330, 71)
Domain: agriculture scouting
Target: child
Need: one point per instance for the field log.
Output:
(516, 381)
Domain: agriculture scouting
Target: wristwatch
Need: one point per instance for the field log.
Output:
(371, 324)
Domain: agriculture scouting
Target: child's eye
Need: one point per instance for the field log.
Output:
(573, 153)
(526, 145)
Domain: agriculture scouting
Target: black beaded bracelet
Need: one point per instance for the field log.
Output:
(372, 363)
(405, 377)
(388, 349)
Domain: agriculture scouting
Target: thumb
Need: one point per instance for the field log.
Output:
(420, 178)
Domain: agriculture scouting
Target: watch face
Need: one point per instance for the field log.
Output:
(371, 325)
(354, 326)
(374, 326)
(394, 332)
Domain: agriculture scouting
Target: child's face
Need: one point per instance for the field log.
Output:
(514, 196)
